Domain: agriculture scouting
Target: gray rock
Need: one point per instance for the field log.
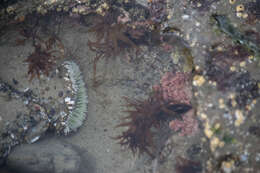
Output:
(48, 156)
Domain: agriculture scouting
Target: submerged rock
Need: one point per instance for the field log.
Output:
(52, 156)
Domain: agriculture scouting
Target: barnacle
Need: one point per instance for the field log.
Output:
(44, 57)
(142, 117)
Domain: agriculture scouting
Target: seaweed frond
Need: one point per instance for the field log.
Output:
(111, 37)
(143, 116)
(44, 57)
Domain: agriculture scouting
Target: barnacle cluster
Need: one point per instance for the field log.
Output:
(44, 57)
(145, 115)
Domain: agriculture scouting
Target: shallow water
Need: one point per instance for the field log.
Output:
(133, 50)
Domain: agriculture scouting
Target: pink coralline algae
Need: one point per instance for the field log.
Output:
(187, 126)
(176, 89)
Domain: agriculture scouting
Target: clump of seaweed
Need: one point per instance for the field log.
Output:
(34, 23)
(187, 166)
(44, 57)
(225, 25)
(123, 29)
(218, 65)
(111, 36)
(144, 116)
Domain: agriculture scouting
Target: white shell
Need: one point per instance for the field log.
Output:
(67, 99)
(35, 139)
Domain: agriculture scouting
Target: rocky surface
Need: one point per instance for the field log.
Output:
(224, 79)
(46, 156)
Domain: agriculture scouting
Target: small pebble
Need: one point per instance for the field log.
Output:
(257, 157)
(203, 116)
(198, 80)
(239, 14)
(242, 64)
(239, 117)
(251, 57)
(67, 99)
(214, 143)
(228, 166)
(232, 68)
(245, 15)
(233, 103)
(243, 157)
(221, 103)
(185, 17)
(227, 116)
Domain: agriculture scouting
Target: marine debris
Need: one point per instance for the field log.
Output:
(143, 117)
(78, 111)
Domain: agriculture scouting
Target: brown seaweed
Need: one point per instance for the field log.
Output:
(218, 64)
(111, 37)
(143, 116)
(44, 57)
